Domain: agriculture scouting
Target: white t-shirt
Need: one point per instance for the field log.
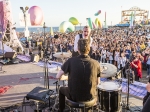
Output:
(77, 37)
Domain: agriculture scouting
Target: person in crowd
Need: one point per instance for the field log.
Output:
(111, 56)
(128, 52)
(117, 53)
(137, 68)
(122, 63)
(83, 76)
(103, 55)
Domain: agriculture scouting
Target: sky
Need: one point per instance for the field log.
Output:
(57, 11)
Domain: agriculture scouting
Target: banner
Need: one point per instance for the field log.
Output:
(1, 17)
(22, 21)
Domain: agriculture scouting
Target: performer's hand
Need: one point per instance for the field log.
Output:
(63, 77)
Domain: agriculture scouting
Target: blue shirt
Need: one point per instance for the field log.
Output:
(128, 55)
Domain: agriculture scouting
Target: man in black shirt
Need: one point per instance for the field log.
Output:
(83, 76)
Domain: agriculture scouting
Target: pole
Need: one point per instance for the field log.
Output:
(80, 26)
(46, 61)
(121, 14)
(105, 19)
(26, 27)
(128, 90)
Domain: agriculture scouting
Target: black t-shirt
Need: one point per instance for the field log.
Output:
(82, 77)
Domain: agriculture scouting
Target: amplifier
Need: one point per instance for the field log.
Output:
(9, 55)
(39, 94)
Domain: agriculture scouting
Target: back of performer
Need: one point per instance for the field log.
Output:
(83, 76)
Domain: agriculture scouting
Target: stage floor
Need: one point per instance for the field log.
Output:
(22, 78)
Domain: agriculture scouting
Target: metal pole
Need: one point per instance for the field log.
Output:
(25, 19)
(80, 26)
(121, 14)
(105, 19)
(128, 108)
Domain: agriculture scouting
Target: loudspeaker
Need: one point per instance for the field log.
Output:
(9, 55)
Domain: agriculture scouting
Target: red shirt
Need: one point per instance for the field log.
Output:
(139, 69)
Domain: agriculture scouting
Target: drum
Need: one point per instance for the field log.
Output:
(109, 94)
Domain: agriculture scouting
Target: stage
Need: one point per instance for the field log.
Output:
(22, 78)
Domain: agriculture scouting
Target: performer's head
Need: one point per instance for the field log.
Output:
(83, 46)
(86, 31)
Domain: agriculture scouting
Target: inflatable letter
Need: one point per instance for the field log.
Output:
(89, 22)
(97, 13)
(98, 23)
(64, 26)
(74, 21)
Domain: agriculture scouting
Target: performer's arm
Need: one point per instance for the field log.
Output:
(60, 75)
(98, 80)
(76, 43)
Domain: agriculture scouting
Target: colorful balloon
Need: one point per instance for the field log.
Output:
(74, 21)
(36, 16)
(93, 25)
(97, 13)
(98, 23)
(89, 22)
(64, 26)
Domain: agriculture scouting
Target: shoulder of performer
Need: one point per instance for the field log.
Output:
(96, 62)
(77, 36)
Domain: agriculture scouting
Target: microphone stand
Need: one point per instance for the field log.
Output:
(46, 77)
(127, 106)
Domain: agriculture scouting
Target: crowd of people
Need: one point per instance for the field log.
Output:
(114, 45)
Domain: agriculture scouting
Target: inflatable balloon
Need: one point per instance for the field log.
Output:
(97, 13)
(36, 15)
(51, 31)
(89, 22)
(93, 25)
(98, 23)
(74, 21)
(64, 26)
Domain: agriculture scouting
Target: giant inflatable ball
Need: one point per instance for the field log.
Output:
(36, 16)
(65, 25)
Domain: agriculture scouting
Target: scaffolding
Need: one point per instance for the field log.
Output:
(9, 36)
(139, 15)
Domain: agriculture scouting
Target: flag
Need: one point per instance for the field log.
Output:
(51, 31)
(131, 20)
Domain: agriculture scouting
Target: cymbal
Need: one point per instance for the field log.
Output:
(62, 54)
(108, 70)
